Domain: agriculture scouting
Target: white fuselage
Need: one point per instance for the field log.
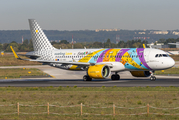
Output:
(131, 59)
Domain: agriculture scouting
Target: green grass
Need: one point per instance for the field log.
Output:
(20, 72)
(171, 71)
(10, 60)
(129, 97)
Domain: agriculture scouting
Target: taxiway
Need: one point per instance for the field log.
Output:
(74, 78)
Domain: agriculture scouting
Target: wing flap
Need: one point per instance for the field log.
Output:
(64, 62)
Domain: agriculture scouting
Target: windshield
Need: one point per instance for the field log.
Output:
(161, 55)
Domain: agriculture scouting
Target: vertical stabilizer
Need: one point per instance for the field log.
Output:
(39, 39)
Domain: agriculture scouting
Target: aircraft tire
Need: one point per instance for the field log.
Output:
(152, 78)
(115, 77)
(86, 78)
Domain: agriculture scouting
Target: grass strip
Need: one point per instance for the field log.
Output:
(171, 71)
(128, 97)
(10, 60)
(19, 72)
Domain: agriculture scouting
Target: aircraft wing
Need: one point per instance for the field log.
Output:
(169, 53)
(59, 62)
(173, 43)
(47, 61)
(64, 62)
(29, 55)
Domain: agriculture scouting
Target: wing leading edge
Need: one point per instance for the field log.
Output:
(47, 61)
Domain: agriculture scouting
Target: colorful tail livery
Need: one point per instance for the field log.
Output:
(99, 63)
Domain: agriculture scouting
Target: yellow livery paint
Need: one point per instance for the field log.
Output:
(106, 56)
(113, 53)
(140, 73)
(74, 67)
(15, 54)
(127, 58)
(99, 71)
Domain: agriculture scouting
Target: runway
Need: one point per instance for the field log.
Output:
(74, 78)
(161, 81)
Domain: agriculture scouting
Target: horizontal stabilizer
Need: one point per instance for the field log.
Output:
(30, 56)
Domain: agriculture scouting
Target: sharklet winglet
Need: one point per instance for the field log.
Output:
(15, 54)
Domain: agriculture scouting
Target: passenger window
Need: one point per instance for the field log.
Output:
(156, 55)
(160, 55)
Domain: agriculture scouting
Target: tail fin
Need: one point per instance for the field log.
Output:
(39, 39)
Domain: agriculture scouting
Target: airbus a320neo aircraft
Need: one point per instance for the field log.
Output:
(98, 63)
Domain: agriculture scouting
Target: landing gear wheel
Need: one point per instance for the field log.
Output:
(115, 77)
(86, 78)
(152, 78)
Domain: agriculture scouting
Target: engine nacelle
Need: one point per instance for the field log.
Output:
(99, 71)
(140, 73)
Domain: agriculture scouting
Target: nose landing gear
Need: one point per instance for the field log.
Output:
(152, 78)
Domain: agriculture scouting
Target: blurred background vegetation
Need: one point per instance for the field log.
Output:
(27, 45)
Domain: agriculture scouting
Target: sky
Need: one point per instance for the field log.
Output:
(90, 14)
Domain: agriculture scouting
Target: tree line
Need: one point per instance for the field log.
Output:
(27, 45)
(169, 40)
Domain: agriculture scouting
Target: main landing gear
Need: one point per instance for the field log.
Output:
(152, 78)
(115, 77)
(86, 78)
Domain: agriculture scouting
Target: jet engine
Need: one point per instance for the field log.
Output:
(140, 73)
(99, 71)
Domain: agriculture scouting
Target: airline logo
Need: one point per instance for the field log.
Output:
(84, 53)
(63, 53)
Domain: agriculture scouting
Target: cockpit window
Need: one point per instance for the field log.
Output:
(165, 55)
(161, 55)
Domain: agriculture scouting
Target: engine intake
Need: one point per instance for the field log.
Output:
(99, 71)
(140, 73)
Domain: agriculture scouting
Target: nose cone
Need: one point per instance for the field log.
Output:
(171, 63)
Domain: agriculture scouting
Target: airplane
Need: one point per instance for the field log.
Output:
(98, 63)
